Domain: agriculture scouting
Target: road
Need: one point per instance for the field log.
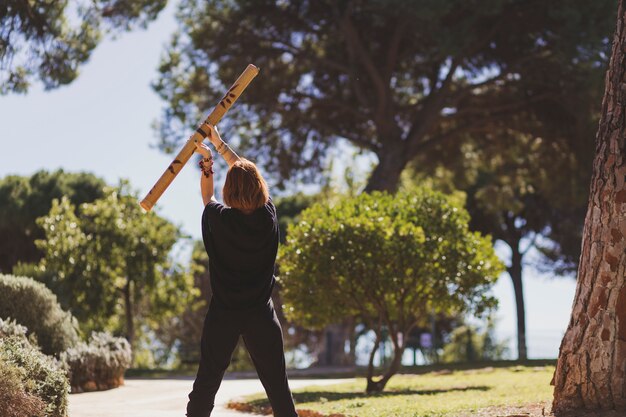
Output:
(166, 397)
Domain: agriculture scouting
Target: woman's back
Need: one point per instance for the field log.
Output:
(242, 252)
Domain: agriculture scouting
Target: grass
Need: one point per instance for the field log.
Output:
(483, 392)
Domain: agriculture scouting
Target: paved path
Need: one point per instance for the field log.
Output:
(166, 397)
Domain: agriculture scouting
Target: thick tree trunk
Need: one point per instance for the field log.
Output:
(515, 271)
(386, 175)
(591, 370)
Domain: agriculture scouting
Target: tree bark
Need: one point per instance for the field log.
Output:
(386, 175)
(515, 271)
(591, 369)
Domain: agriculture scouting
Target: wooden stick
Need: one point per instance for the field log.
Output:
(189, 148)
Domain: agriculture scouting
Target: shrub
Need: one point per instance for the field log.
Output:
(32, 304)
(14, 400)
(390, 260)
(39, 375)
(9, 328)
(98, 365)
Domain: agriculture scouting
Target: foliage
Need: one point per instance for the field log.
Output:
(34, 306)
(392, 77)
(185, 329)
(40, 375)
(14, 400)
(110, 263)
(289, 208)
(99, 364)
(527, 192)
(469, 344)
(24, 199)
(49, 40)
(11, 328)
(486, 392)
(523, 187)
(382, 242)
(390, 260)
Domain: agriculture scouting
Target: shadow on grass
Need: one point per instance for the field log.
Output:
(328, 396)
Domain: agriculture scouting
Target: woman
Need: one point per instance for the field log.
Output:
(241, 239)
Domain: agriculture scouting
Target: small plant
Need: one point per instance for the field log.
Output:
(9, 328)
(32, 379)
(99, 364)
(14, 400)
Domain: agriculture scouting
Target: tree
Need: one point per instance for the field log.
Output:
(388, 260)
(590, 371)
(49, 40)
(185, 329)
(24, 199)
(108, 262)
(400, 79)
(326, 346)
(523, 190)
(394, 78)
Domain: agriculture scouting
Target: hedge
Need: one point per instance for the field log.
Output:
(32, 304)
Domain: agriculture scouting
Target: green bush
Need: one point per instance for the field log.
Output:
(40, 376)
(14, 400)
(33, 305)
(99, 364)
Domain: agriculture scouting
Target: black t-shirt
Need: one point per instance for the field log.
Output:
(242, 251)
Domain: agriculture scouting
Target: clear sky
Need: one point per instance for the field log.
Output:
(102, 123)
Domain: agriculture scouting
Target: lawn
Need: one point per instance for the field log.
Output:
(515, 391)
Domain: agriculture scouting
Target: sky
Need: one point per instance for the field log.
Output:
(101, 123)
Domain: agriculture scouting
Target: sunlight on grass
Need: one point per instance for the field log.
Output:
(428, 395)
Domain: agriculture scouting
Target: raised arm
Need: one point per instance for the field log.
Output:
(206, 177)
(222, 147)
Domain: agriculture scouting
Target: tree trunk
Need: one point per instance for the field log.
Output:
(379, 386)
(515, 271)
(334, 342)
(591, 370)
(386, 175)
(128, 307)
(370, 362)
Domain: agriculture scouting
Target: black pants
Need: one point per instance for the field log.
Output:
(263, 338)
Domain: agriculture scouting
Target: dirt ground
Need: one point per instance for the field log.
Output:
(538, 410)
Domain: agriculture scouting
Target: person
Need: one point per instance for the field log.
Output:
(241, 239)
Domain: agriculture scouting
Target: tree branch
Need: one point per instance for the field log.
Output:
(475, 123)
(357, 51)
(427, 116)
(394, 47)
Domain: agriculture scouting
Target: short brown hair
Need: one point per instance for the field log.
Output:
(244, 188)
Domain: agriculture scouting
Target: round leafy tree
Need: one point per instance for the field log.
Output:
(388, 259)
